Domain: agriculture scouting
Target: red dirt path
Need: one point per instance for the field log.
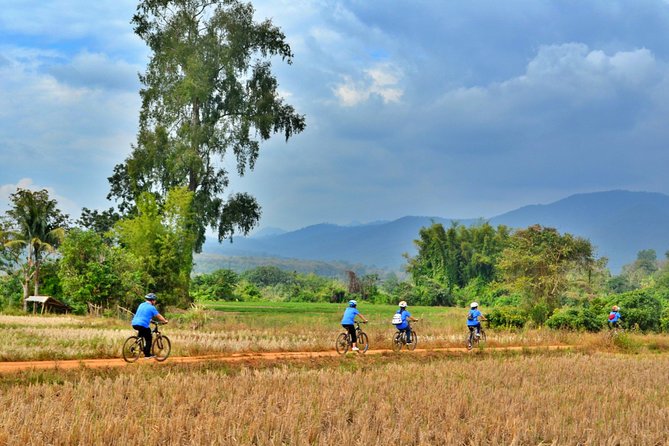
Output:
(9, 367)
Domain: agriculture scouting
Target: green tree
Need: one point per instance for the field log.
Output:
(537, 263)
(90, 270)
(161, 239)
(208, 89)
(450, 259)
(37, 227)
(219, 285)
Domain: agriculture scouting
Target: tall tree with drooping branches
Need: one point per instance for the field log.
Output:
(208, 90)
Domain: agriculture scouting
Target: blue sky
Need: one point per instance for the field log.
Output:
(442, 108)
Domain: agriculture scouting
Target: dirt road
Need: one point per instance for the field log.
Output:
(9, 367)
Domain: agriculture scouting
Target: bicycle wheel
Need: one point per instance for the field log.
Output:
(341, 344)
(471, 339)
(414, 341)
(398, 341)
(132, 349)
(161, 348)
(363, 341)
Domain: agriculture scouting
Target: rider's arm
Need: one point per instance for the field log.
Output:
(364, 319)
(161, 318)
(413, 319)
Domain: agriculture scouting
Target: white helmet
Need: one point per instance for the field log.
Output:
(474, 305)
(403, 304)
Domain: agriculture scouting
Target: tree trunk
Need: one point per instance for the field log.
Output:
(25, 284)
(36, 277)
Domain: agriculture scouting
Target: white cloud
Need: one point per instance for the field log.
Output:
(382, 80)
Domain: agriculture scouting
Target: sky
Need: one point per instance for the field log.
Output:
(456, 109)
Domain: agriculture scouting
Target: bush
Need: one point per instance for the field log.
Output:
(639, 307)
(507, 317)
(575, 318)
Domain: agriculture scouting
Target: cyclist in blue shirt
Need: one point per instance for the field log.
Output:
(406, 317)
(473, 319)
(348, 322)
(142, 321)
(614, 317)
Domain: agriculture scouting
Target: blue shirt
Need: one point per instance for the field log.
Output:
(616, 316)
(349, 316)
(475, 317)
(145, 312)
(405, 315)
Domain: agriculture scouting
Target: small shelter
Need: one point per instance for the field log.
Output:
(48, 304)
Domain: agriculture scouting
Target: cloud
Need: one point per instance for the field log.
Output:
(94, 70)
(380, 80)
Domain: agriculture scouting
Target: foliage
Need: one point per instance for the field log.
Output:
(537, 262)
(219, 285)
(99, 222)
(638, 308)
(163, 241)
(575, 318)
(454, 257)
(35, 229)
(208, 89)
(93, 271)
(506, 317)
(10, 291)
(268, 276)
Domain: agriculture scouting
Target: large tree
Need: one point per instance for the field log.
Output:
(208, 89)
(537, 262)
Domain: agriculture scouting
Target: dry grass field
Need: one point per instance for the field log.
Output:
(565, 399)
(605, 391)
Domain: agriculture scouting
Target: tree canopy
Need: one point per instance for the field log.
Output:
(208, 89)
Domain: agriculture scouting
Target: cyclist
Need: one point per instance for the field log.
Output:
(142, 321)
(348, 322)
(405, 318)
(473, 319)
(614, 317)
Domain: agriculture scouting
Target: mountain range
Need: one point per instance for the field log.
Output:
(618, 223)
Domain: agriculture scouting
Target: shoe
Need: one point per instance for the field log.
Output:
(478, 335)
(409, 343)
(150, 357)
(355, 349)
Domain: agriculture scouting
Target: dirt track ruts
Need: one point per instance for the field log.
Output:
(8, 367)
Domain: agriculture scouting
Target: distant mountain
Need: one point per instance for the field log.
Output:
(618, 223)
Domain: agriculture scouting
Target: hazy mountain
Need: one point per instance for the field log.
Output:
(619, 224)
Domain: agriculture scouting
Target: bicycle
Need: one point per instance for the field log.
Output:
(400, 340)
(473, 340)
(344, 341)
(133, 347)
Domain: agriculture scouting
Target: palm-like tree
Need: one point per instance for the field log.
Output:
(38, 228)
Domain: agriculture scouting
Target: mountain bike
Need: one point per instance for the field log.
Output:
(473, 340)
(344, 341)
(133, 347)
(400, 340)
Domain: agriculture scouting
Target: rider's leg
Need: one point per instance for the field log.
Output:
(351, 332)
(478, 330)
(408, 333)
(145, 332)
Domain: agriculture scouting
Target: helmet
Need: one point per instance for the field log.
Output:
(352, 303)
(474, 305)
(615, 308)
(403, 304)
(150, 296)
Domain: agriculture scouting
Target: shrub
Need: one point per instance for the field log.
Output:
(639, 307)
(507, 317)
(575, 318)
